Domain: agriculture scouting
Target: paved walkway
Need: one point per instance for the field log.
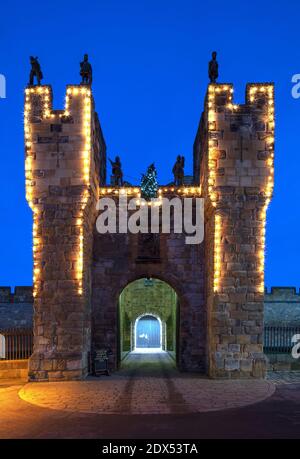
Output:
(278, 416)
(284, 377)
(147, 384)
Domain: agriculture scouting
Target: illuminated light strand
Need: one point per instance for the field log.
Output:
(86, 166)
(35, 248)
(130, 191)
(268, 90)
(44, 92)
(79, 267)
(211, 102)
(261, 252)
(80, 258)
(217, 252)
(135, 191)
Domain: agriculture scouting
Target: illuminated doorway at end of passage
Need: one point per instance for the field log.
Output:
(148, 334)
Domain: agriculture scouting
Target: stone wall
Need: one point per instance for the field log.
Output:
(282, 307)
(117, 262)
(16, 308)
(11, 369)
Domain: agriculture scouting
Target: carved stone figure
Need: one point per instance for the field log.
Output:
(213, 68)
(178, 171)
(86, 71)
(35, 71)
(117, 173)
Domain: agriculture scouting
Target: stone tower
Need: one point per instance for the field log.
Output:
(62, 166)
(234, 161)
(79, 275)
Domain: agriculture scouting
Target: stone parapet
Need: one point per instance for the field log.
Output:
(282, 307)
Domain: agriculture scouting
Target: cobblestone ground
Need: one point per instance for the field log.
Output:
(278, 416)
(147, 384)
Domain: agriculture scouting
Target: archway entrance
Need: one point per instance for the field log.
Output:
(148, 319)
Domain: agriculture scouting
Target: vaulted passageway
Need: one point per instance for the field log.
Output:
(148, 320)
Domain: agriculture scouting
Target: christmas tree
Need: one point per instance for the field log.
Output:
(149, 183)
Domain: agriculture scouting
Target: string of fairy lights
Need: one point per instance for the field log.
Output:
(161, 193)
(254, 91)
(44, 92)
(45, 95)
(214, 90)
(86, 166)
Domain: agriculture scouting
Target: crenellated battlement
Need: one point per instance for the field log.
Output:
(20, 294)
(287, 293)
(238, 150)
(64, 156)
(62, 147)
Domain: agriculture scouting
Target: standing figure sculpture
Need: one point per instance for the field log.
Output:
(117, 174)
(213, 68)
(35, 71)
(86, 71)
(178, 171)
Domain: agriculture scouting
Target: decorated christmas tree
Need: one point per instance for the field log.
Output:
(149, 183)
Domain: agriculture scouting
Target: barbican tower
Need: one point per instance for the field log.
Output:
(209, 296)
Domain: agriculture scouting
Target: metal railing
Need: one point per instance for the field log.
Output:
(278, 340)
(18, 343)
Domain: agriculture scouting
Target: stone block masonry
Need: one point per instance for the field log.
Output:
(180, 265)
(282, 307)
(16, 308)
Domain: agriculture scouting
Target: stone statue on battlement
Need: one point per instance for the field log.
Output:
(35, 71)
(117, 173)
(178, 171)
(86, 71)
(213, 68)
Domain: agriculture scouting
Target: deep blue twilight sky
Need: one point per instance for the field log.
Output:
(150, 74)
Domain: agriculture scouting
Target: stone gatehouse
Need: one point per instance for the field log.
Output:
(87, 285)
